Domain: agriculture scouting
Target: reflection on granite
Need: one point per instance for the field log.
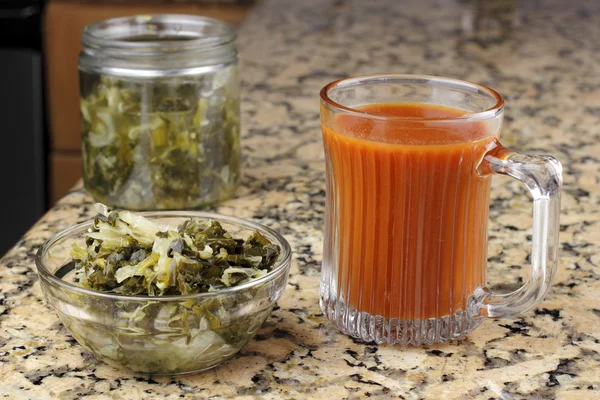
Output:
(543, 57)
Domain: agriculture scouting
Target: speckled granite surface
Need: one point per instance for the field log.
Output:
(544, 57)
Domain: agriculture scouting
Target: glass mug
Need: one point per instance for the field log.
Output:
(409, 161)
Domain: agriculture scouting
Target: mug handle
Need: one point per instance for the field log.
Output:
(543, 177)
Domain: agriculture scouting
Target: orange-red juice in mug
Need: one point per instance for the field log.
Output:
(409, 159)
(411, 207)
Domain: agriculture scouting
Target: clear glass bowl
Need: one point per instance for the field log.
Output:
(167, 335)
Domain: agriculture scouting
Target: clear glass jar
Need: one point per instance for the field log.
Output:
(159, 99)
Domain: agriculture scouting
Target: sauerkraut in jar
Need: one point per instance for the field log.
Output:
(160, 112)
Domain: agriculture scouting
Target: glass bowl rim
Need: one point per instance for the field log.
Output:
(282, 264)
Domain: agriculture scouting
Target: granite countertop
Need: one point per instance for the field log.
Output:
(544, 57)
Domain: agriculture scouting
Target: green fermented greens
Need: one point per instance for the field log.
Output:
(127, 254)
(161, 143)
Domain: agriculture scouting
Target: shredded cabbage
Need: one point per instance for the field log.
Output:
(125, 253)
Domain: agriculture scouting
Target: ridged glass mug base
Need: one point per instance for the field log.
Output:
(415, 332)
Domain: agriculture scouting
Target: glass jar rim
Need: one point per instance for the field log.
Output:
(488, 113)
(197, 32)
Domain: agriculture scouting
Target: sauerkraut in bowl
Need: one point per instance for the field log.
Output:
(164, 293)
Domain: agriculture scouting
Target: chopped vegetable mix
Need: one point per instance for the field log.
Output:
(161, 143)
(128, 254)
